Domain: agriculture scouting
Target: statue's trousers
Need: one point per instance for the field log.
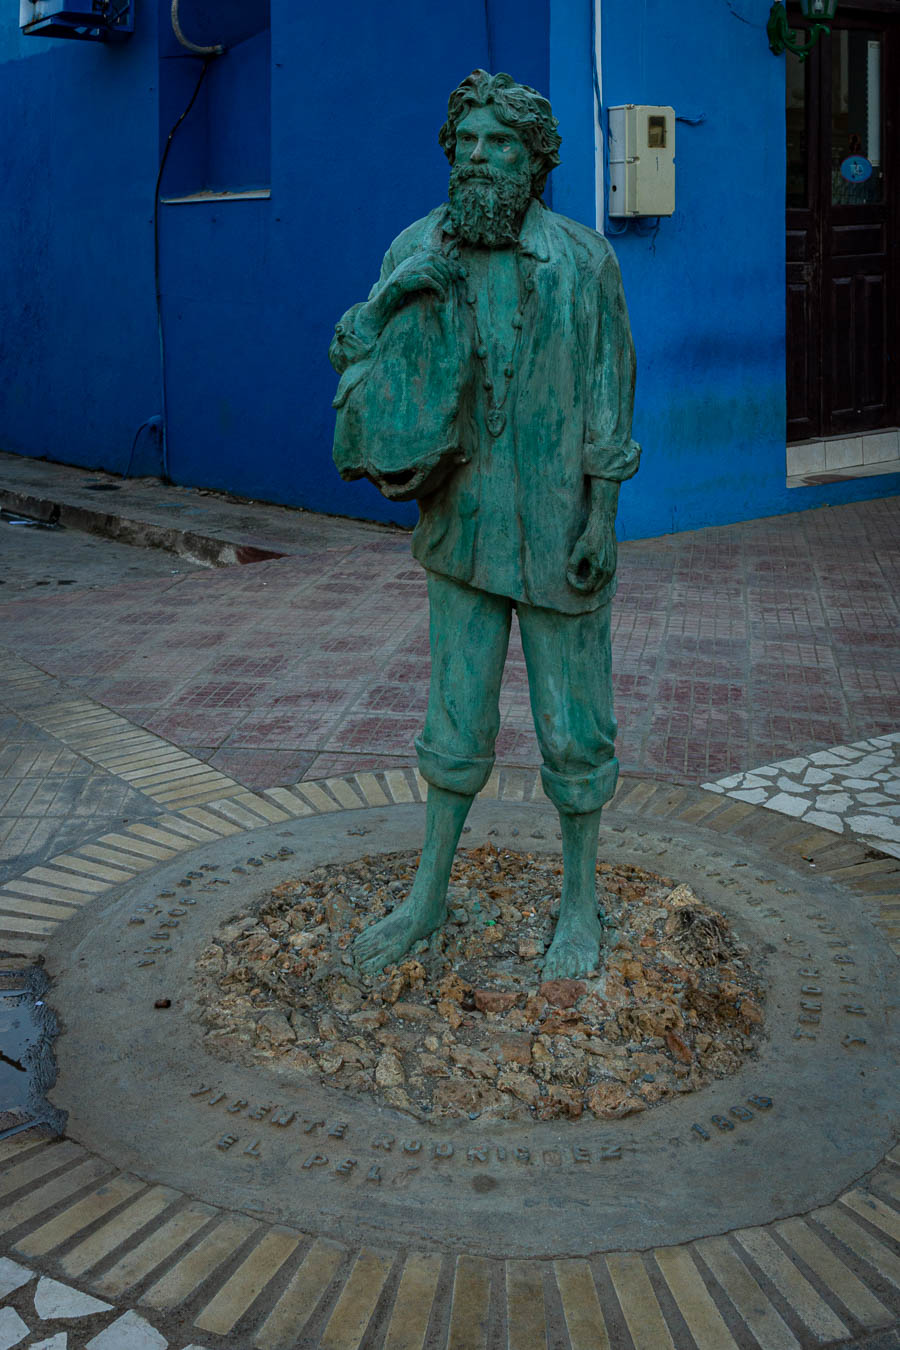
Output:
(570, 682)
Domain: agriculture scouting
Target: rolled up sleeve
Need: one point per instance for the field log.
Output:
(609, 451)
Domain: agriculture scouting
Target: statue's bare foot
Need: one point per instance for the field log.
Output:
(385, 942)
(575, 949)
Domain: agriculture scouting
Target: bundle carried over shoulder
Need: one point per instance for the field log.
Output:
(404, 412)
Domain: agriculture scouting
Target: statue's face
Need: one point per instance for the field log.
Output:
(481, 139)
(490, 182)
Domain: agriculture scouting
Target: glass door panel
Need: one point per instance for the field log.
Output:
(797, 75)
(857, 175)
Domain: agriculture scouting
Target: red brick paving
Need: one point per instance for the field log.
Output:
(733, 646)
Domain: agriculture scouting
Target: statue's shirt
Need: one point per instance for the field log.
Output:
(507, 521)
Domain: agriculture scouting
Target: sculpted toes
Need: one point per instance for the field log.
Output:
(555, 966)
(366, 951)
(571, 957)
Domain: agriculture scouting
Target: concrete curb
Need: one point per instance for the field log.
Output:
(199, 547)
(209, 528)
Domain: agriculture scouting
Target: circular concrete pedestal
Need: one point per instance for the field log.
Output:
(242, 1208)
(798, 1123)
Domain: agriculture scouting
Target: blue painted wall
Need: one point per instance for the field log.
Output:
(571, 89)
(706, 289)
(337, 110)
(79, 360)
(225, 143)
(354, 158)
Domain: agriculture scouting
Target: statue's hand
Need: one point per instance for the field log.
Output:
(425, 271)
(593, 560)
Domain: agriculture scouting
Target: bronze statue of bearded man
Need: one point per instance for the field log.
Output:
(490, 375)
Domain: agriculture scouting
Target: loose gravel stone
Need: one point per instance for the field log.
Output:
(465, 1025)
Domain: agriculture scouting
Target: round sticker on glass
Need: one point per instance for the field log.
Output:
(856, 169)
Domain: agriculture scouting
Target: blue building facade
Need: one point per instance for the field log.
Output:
(310, 144)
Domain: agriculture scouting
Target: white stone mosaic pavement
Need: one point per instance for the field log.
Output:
(12, 1329)
(12, 1276)
(129, 1332)
(51, 1300)
(849, 789)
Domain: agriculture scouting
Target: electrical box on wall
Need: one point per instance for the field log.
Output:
(89, 20)
(641, 160)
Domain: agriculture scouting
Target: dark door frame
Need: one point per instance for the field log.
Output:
(858, 14)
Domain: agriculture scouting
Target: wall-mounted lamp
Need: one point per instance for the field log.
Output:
(819, 12)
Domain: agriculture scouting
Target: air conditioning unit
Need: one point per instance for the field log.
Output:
(88, 20)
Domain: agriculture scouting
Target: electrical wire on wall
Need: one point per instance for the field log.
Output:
(602, 122)
(155, 424)
(208, 54)
(194, 47)
(156, 272)
(490, 38)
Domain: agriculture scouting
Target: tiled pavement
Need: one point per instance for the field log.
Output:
(723, 1293)
(103, 1259)
(733, 647)
(51, 798)
(70, 768)
(764, 644)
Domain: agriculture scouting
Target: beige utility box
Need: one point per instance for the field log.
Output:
(641, 160)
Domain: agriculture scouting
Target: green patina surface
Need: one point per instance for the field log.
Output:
(490, 375)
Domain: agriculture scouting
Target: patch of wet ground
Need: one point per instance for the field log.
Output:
(28, 1028)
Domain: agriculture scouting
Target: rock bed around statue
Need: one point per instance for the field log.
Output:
(465, 1026)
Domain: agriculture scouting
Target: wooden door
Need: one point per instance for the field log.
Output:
(842, 211)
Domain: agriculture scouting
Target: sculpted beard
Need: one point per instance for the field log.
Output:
(487, 205)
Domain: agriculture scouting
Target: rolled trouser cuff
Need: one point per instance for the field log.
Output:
(453, 772)
(578, 794)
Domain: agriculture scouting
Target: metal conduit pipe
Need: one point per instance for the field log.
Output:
(186, 42)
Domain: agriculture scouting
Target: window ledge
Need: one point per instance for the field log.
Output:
(247, 195)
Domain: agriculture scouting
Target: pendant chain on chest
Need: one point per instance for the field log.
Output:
(495, 414)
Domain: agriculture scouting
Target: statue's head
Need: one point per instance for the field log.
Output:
(501, 140)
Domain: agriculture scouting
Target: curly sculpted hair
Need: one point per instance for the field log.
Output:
(515, 105)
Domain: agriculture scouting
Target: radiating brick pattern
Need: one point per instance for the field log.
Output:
(159, 1270)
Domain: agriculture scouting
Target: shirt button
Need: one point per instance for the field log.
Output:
(481, 353)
